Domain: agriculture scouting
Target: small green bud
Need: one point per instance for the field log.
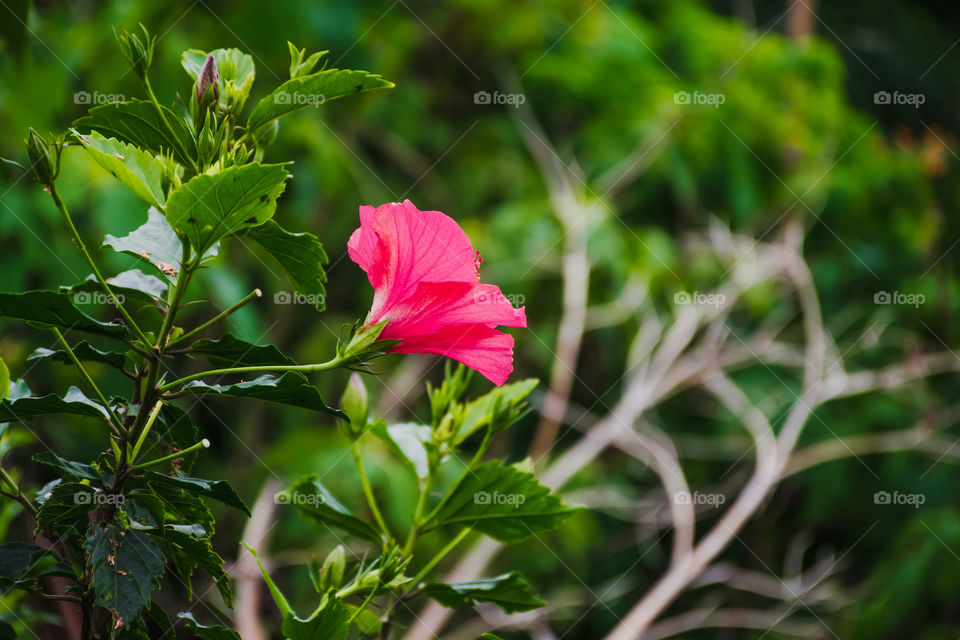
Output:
(44, 161)
(331, 573)
(138, 53)
(355, 404)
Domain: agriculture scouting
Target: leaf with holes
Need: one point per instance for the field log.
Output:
(126, 567)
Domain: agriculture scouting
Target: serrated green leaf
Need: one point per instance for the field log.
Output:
(291, 388)
(209, 207)
(140, 171)
(182, 506)
(174, 431)
(197, 551)
(234, 352)
(300, 254)
(84, 351)
(316, 502)
(328, 623)
(137, 122)
(156, 243)
(511, 592)
(501, 501)
(306, 91)
(201, 632)
(65, 503)
(16, 561)
(126, 567)
(78, 470)
(74, 402)
(50, 308)
(216, 489)
(479, 413)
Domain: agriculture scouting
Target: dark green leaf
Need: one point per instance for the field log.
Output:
(209, 207)
(201, 632)
(126, 568)
(196, 549)
(291, 388)
(300, 254)
(74, 402)
(156, 243)
(329, 623)
(314, 501)
(511, 592)
(314, 89)
(4, 383)
(50, 308)
(137, 122)
(70, 467)
(65, 504)
(85, 352)
(233, 352)
(183, 506)
(138, 170)
(215, 489)
(174, 431)
(503, 502)
(16, 561)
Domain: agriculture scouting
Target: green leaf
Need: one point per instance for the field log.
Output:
(4, 381)
(175, 431)
(300, 254)
(278, 598)
(156, 243)
(328, 623)
(137, 122)
(236, 70)
(78, 470)
(479, 413)
(126, 568)
(196, 549)
(409, 441)
(201, 632)
(314, 89)
(140, 171)
(233, 352)
(316, 502)
(291, 388)
(209, 207)
(50, 308)
(501, 501)
(65, 504)
(127, 284)
(183, 506)
(84, 351)
(216, 489)
(74, 402)
(511, 592)
(16, 561)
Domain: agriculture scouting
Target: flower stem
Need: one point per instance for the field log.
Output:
(58, 201)
(425, 488)
(203, 444)
(304, 368)
(368, 492)
(253, 295)
(437, 558)
(115, 423)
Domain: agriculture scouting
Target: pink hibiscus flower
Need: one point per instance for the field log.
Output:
(426, 284)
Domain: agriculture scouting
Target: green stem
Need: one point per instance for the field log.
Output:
(363, 606)
(203, 444)
(58, 201)
(166, 123)
(437, 558)
(304, 368)
(19, 494)
(253, 295)
(482, 449)
(116, 424)
(368, 492)
(146, 429)
(425, 488)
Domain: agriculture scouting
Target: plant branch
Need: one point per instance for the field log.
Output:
(253, 295)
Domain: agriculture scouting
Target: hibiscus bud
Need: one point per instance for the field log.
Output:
(44, 161)
(355, 404)
(331, 573)
(208, 77)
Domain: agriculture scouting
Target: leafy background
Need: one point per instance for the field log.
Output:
(878, 195)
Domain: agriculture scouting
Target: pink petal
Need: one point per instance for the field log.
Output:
(478, 346)
(399, 247)
(435, 305)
